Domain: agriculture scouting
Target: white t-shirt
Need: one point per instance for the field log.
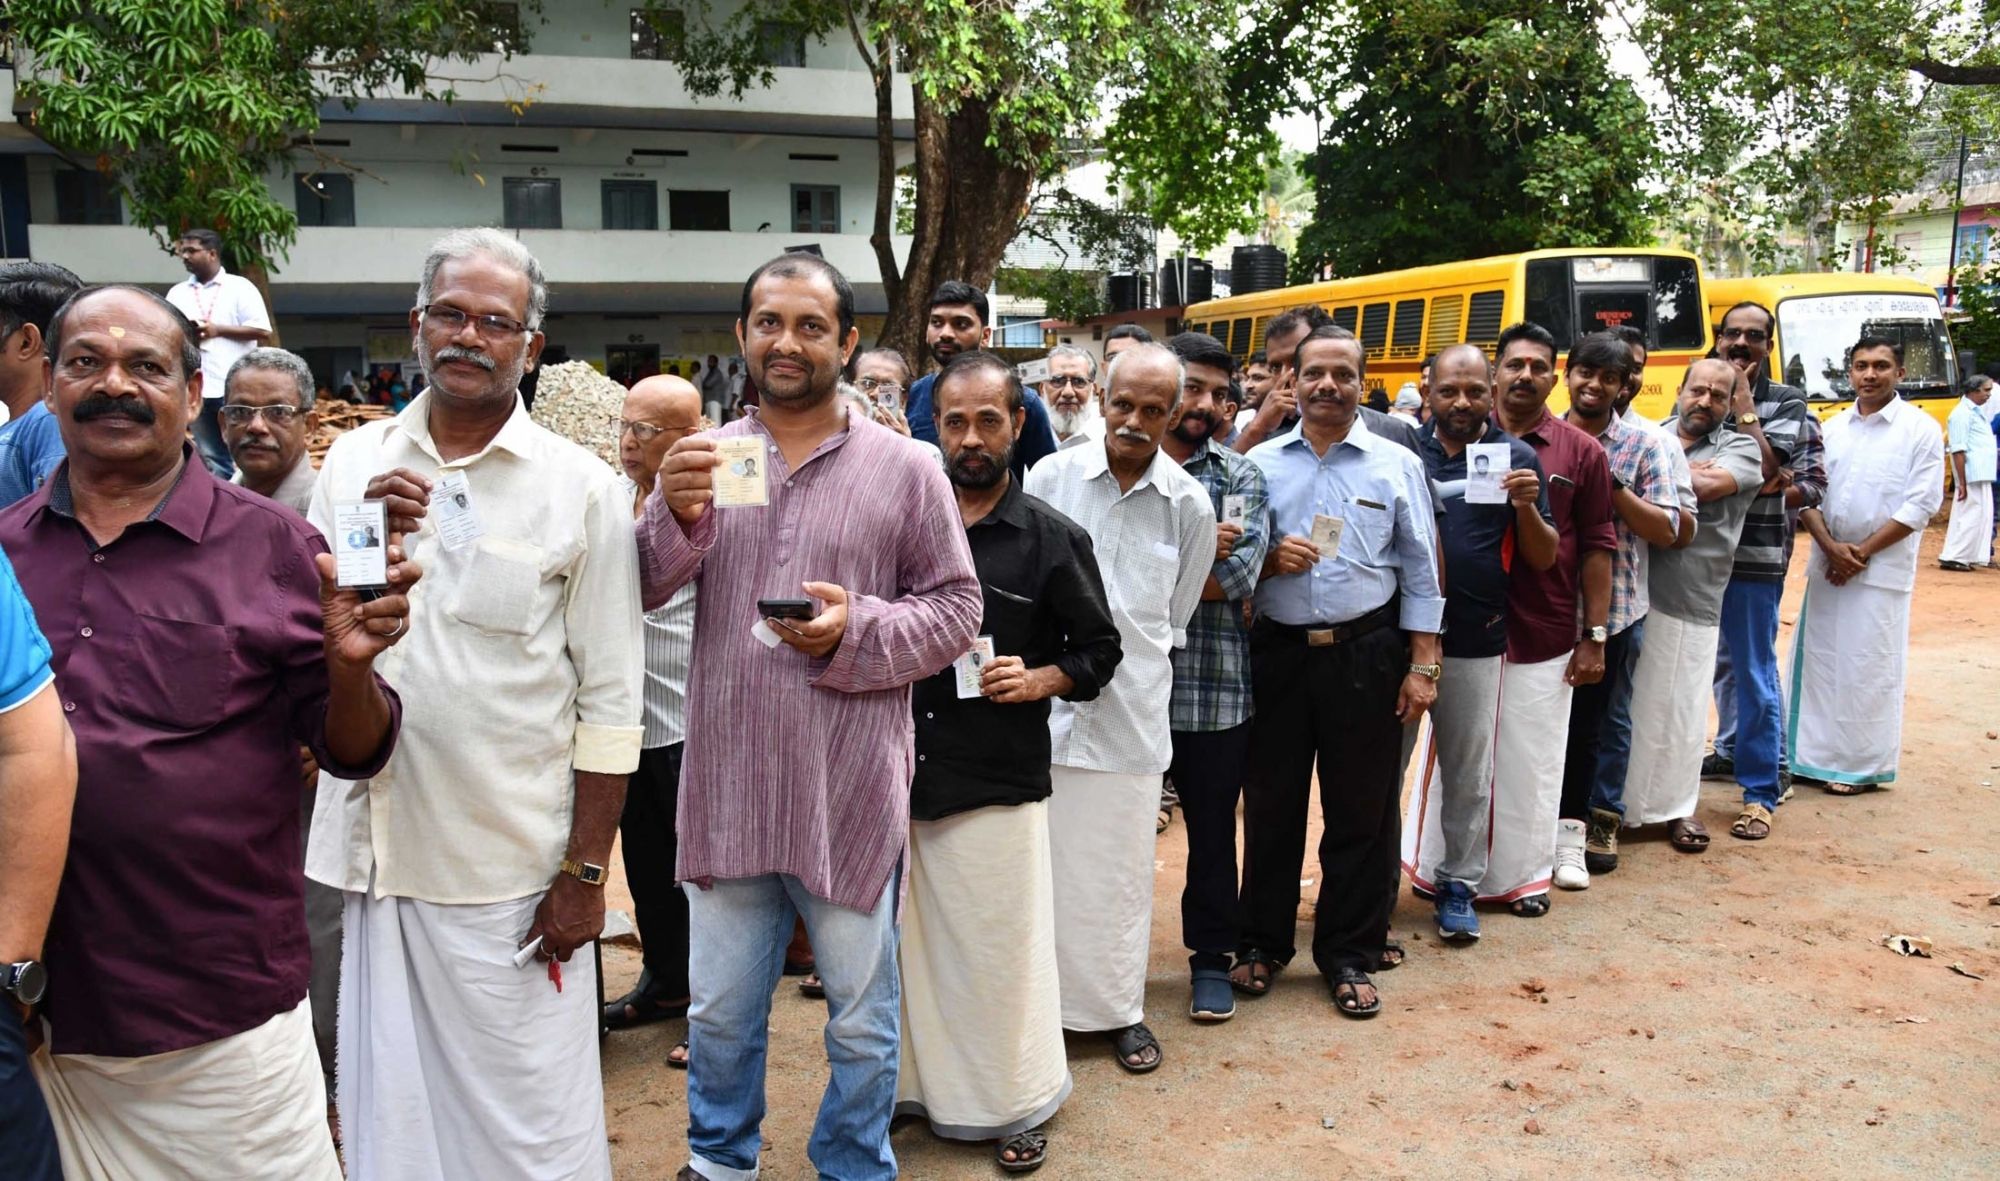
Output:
(226, 299)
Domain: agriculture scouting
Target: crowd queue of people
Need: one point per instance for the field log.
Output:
(947, 763)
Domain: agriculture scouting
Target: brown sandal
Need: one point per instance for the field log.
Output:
(1753, 823)
(1688, 835)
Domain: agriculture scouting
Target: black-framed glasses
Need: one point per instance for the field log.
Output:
(1060, 380)
(453, 320)
(1748, 335)
(275, 415)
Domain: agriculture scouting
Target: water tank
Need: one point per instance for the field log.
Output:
(1201, 282)
(1130, 290)
(1254, 268)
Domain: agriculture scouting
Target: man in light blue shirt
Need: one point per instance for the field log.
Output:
(30, 444)
(1344, 652)
(1970, 447)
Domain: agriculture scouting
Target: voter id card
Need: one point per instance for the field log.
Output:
(1326, 534)
(1235, 509)
(740, 475)
(971, 666)
(360, 543)
(457, 520)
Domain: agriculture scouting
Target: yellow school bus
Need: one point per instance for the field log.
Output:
(1402, 317)
(1821, 316)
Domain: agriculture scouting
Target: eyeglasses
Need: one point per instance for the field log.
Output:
(875, 385)
(1748, 335)
(275, 415)
(646, 432)
(1067, 379)
(453, 321)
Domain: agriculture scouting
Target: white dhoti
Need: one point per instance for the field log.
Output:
(1969, 538)
(1101, 846)
(456, 1064)
(251, 1106)
(1670, 694)
(1447, 826)
(982, 1011)
(1848, 669)
(1528, 749)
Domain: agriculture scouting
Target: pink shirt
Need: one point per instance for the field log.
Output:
(795, 765)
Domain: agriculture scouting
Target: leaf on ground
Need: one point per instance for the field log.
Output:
(1960, 969)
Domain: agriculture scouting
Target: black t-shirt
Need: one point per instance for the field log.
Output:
(1478, 546)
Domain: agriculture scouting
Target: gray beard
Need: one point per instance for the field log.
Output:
(1069, 422)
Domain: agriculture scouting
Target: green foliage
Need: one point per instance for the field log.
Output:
(1460, 128)
(1979, 299)
(189, 104)
(1084, 234)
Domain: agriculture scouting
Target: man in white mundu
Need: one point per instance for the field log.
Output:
(1972, 450)
(1885, 477)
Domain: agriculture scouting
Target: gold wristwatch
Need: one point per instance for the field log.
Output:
(1749, 419)
(584, 871)
(1433, 671)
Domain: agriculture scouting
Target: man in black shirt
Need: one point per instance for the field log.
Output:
(983, 1054)
(1450, 813)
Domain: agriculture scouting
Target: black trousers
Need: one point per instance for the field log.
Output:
(646, 830)
(1600, 741)
(1336, 705)
(1208, 773)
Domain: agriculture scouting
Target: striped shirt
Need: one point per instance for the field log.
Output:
(1639, 461)
(669, 634)
(798, 765)
(1782, 413)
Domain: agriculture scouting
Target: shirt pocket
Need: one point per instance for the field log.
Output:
(1369, 536)
(1009, 619)
(177, 674)
(1562, 497)
(502, 582)
(1143, 585)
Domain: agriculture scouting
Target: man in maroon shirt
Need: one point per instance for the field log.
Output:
(1546, 658)
(198, 640)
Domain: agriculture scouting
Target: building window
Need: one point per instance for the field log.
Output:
(698, 209)
(815, 209)
(531, 203)
(1975, 245)
(324, 199)
(631, 205)
(658, 36)
(780, 43)
(86, 199)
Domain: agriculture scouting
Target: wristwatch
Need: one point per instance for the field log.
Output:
(26, 981)
(1749, 419)
(1598, 634)
(584, 871)
(1433, 671)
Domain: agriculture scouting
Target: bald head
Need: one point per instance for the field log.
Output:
(659, 412)
(1461, 354)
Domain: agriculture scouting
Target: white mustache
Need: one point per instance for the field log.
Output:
(1126, 432)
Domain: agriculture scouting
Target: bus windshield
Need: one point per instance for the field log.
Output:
(1816, 332)
(1658, 295)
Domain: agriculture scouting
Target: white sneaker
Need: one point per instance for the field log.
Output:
(1570, 871)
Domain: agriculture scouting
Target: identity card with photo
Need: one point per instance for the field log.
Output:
(740, 474)
(1326, 534)
(360, 543)
(1235, 509)
(457, 520)
(1485, 467)
(971, 666)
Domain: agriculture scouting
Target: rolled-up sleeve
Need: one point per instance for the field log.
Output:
(602, 626)
(1417, 555)
(1237, 573)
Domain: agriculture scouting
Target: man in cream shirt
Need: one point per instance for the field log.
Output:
(488, 830)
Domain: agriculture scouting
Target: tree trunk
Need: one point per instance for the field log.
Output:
(262, 278)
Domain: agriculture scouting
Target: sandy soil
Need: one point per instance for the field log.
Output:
(1726, 1015)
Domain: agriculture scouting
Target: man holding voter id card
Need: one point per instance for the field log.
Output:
(1344, 652)
(474, 862)
(833, 571)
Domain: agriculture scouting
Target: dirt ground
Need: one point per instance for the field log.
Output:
(1727, 1015)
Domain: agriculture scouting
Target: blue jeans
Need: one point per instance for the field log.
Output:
(1725, 708)
(1600, 731)
(1750, 636)
(737, 931)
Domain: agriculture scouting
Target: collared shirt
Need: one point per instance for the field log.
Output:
(522, 666)
(1808, 468)
(1155, 545)
(24, 651)
(1479, 545)
(1882, 467)
(226, 299)
(1688, 583)
(669, 650)
(1045, 603)
(1781, 414)
(1638, 459)
(1037, 439)
(794, 764)
(295, 491)
(1545, 606)
(30, 448)
(190, 659)
(1388, 542)
(1212, 673)
(1968, 431)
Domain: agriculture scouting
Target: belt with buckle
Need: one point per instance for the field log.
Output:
(1338, 633)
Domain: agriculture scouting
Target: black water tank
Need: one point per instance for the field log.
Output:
(1201, 282)
(1130, 290)
(1255, 268)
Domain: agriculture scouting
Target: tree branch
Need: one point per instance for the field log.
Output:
(1956, 75)
(861, 44)
(885, 174)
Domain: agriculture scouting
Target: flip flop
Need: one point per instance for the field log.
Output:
(1351, 979)
(1688, 835)
(1250, 958)
(646, 1006)
(1392, 956)
(1752, 824)
(1134, 1039)
(680, 1063)
(1030, 1148)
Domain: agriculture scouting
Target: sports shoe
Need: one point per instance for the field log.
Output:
(1718, 766)
(1785, 789)
(1571, 873)
(1600, 842)
(1457, 921)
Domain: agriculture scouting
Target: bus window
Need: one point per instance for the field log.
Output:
(1816, 332)
(1447, 317)
(1346, 317)
(1408, 338)
(1482, 320)
(1677, 307)
(1548, 299)
(1257, 334)
(1374, 328)
(1239, 337)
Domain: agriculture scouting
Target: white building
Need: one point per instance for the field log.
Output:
(647, 207)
